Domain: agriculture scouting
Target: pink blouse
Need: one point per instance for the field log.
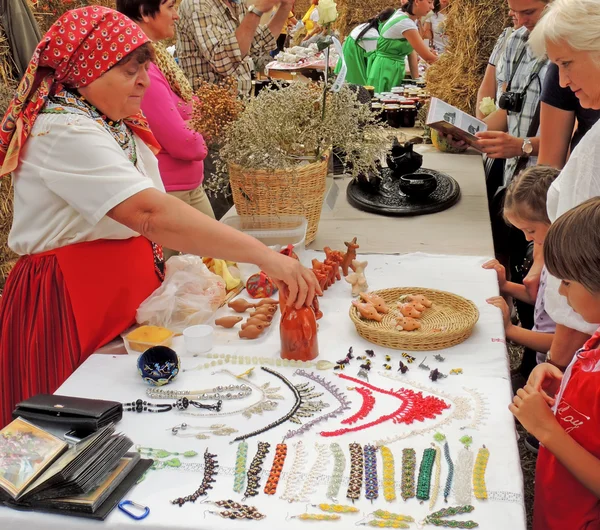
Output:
(181, 159)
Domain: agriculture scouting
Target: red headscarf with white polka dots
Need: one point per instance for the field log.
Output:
(80, 46)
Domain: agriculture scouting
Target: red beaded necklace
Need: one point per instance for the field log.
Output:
(414, 407)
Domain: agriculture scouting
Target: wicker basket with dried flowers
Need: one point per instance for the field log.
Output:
(276, 152)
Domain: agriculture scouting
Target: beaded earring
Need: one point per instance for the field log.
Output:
(339, 465)
(389, 479)
(276, 469)
(438, 518)
(479, 487)
(218, 429)
(464, 468)
(235, 510)
(335, 508)
(388, 516)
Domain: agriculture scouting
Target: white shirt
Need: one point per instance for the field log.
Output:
(577, 182)
(368, 42)
(396, 31)
(72, 172)
(437, 21)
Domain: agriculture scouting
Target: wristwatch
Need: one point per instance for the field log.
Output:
(527, 147)
(254, 11)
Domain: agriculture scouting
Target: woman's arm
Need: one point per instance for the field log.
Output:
(415, 40)
(413, 65)
(556, 131)
(518, 291)
(174, 224)
(530, 339)
(486, 89)
(565, 344)
(169, 128)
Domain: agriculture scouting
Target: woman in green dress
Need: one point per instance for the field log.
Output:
(359, 47)
(399, 38)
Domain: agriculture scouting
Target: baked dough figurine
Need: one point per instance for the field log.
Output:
(409, 310)
(407, 324)
(367, 311)
(377, 301)
(357, 278)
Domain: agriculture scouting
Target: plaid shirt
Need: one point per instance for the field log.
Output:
(528, 77)
(207, 46)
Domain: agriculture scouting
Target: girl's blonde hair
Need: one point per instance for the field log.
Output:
(572, 246)
(526, 194)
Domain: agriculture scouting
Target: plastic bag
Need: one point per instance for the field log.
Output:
(189, 295)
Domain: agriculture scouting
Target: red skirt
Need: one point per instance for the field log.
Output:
(60, 306)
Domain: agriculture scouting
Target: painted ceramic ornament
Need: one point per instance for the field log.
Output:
(298, 332)
(377, 301)
(349, 256)
(357, 278)
(158, 365)
(409, 310)
(259, 285)
(407, 324)
(418, 298)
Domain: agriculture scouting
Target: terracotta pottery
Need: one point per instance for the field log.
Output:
(241, 305)
(267, 301)
(409, 310)
(357, 279)
(298, 332)
(251, 332)
(349, 256)
(367, 311)
(377, 301)
(407, 324)
(256, 322)
(228, 322)
(268, 316)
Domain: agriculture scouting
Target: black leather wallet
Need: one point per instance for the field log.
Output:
(74, 413)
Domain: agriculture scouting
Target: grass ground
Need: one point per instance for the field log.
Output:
(527, 458)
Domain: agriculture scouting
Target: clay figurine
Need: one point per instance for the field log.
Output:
(349, 256)
(367, 311)
(322, 270)
(289, 252)
(357, 278)
(334, 259)
(298, 332)
(259, 285)
(251, 332)
(407, 324)
(316, 308)
(416, 298)
(256, 322)
(268, 309)
(409, 310)
(377, 301)
(228, 322)
(268, 317)
(241, 305)
(267, 301)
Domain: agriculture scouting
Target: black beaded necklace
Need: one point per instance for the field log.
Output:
(140, 406)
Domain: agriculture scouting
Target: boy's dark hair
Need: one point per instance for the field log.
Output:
(382, 16)
(136, 9)
(527, 192)
(408, 7)
(572, 246)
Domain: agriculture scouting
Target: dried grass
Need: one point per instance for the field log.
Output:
(47, 11)
(355, 12)
(472, 27)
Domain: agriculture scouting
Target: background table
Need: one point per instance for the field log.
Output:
(482, 357)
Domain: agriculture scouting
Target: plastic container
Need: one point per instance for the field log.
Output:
(273, 231)
(198, 339)
(139, 345)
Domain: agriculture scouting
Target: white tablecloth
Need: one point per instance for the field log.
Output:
(482, 358)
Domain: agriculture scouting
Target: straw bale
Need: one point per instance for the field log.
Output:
(472, 27)
(355, 12)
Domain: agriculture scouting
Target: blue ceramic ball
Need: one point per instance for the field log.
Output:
(158, 365)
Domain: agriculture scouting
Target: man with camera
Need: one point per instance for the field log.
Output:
(513, 129)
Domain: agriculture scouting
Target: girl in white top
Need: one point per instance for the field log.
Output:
(435, 24)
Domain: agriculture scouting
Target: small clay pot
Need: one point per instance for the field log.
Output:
(418, 185)
(256, 322)
(267, 301)
(268, 309)
(251, 332)
(241, 305)
(228, 322)
(268, 316)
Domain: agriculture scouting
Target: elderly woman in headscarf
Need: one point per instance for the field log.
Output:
(90, 211)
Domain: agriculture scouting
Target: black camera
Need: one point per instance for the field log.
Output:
(511, 101)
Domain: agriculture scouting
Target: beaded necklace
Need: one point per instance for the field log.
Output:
(210, 394)
(221, 359)
(304, 405)
(334, 391)
(240, 467)
(339, 466)
(479, 487)
(368, 403)
(481, 409)
(389, 479)
(414, 406)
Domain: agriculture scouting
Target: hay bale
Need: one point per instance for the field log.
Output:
(355, 12)
(472, 27)
(47, 11)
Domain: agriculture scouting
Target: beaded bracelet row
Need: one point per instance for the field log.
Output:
(437, 475)
(255, 470)
(438, 518)
(371, 483)
(424, 480)
(276, 468)
(450, 476)
(210, 470)
(240, 467)
(339, 466)
(464, 468)
(356, 471)
(409, 464)
(479, 487)
(389, 484)
(292, 483)
(316, 470)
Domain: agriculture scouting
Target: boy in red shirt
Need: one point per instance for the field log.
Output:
(567, 479)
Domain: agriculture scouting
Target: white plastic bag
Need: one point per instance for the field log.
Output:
(189, 295)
